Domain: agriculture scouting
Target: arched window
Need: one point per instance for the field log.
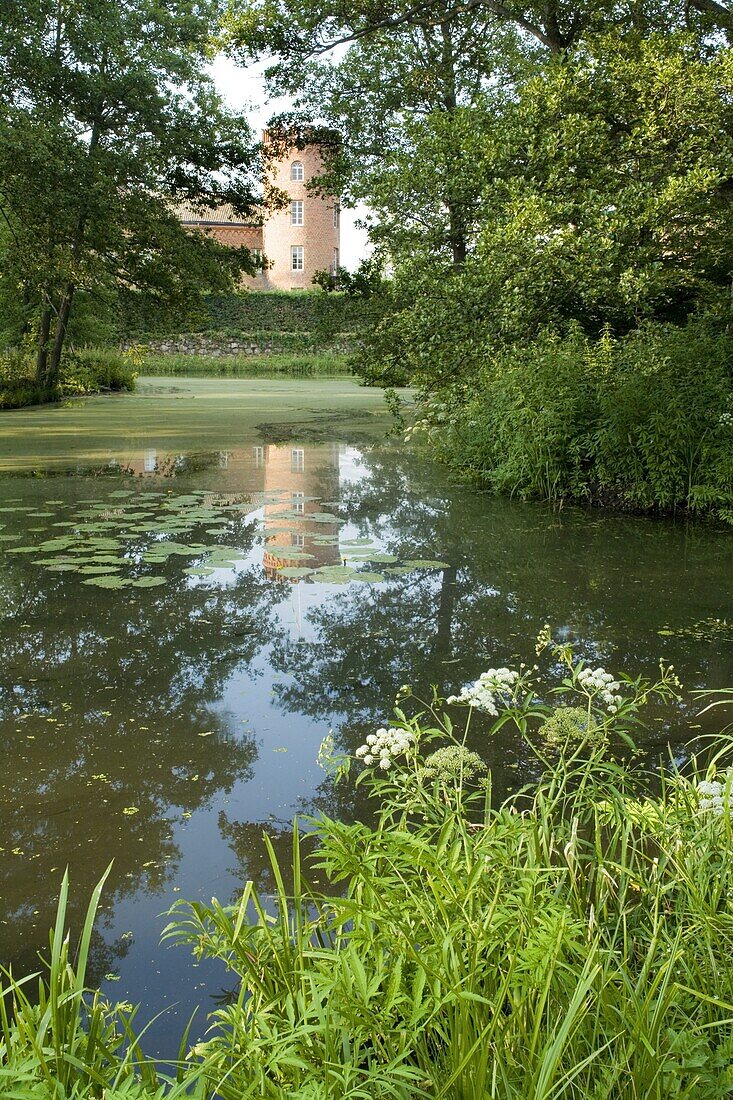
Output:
(296, 170)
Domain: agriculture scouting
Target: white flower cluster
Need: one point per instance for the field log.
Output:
(382, 747)
(490, 687)
(598, 682)
(715, 794)
(726, 420)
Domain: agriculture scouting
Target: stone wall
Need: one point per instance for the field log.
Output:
(221, 346)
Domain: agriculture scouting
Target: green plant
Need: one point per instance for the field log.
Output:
(60, 1040)
(642, 422)
(574, 941)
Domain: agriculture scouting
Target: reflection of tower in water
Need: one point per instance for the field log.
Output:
(298, 478)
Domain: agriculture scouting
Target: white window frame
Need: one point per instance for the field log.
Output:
(296, 171)
(297, 463)
(336, 212)
(297, 257)
(296, 212)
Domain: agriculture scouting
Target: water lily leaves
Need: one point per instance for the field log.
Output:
(335, 572)
(99, 570)
(420, 563)
(370, 578)
(354, 542)
(107, 582)
(199, 571)
(148, 582)
(372, 555)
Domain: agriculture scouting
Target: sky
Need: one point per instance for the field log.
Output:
(244, 90)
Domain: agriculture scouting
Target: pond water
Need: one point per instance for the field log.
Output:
(200, 580)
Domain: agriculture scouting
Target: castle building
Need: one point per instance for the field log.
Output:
(297, 240)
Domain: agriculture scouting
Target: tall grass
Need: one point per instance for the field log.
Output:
(60, 1040)
(575, 940)
(296, 364)
(83, 372)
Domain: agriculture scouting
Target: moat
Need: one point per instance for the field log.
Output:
(199, 581)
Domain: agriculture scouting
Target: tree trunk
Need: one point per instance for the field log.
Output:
(44, 333)
(62, 323)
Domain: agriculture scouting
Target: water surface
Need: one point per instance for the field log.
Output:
(213, 574)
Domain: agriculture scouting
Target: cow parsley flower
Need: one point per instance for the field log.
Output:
(382, 747)
(492, 687)
(597, 683)
(714, 795)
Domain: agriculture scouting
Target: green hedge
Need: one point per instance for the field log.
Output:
(255, 311)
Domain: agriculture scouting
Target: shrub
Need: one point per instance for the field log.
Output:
(82, 372)
(642, 422)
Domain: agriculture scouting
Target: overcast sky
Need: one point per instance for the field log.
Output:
(244, 90)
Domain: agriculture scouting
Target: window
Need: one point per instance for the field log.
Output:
(297, 540)
(335, 264)
(296, 170)
(296, 212)
(297, 503)
(258, 453)
(336, 213)
(296, 258)
(297, 463)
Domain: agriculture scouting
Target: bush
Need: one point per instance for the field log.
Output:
(642, 422)
(82, 372)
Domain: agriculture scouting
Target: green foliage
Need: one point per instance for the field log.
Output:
(108, 119)
(565, 943)
(641, 422)
(61, 1041)
(82, 372)
(254, 313)
(243, 366)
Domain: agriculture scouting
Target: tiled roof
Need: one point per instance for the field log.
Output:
(205, 215)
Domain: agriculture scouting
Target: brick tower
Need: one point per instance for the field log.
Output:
(299, 239)
(304, 237)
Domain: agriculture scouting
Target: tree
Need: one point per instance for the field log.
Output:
(303, 27)
(107, 122)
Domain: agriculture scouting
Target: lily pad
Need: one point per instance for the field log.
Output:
(107, 582)
(421, 563)
(148, 582)
(201, 571)
(371, 578)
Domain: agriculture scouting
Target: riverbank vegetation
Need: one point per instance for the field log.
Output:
(548, 181)
(80, 373)
(571, 940)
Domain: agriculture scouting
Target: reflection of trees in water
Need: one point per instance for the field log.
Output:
(608, 583)
(107, 714)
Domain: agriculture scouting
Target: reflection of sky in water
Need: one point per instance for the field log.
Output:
(203, 702)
